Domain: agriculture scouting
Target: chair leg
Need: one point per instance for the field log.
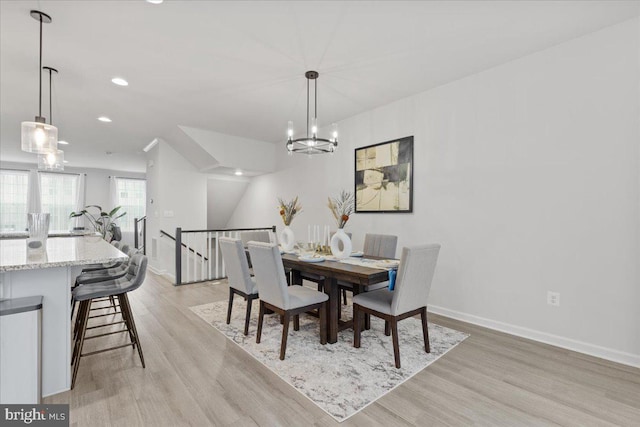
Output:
(396, 348)
(260, 319)
(425, 330)
(125, 298)
(387, 328)
(125, 317)
(80, 343)
(247, 316)
(113, 302)
(230, 305)
(285, 334)
(296, 322)
(344, 297)
(80, 317)
(323, 323)
(356, 326)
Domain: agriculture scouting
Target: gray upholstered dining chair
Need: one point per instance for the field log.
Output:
(285, 300)
(378, 245)
(240, 280)
(409, 298)
(254, 236)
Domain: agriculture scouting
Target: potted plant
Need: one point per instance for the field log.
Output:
(101, 221)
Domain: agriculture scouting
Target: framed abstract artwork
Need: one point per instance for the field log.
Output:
(384, 177)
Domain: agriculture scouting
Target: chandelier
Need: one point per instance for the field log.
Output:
(38, 136)
(311, 144)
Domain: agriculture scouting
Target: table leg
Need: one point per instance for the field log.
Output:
(367, 317)
(331, 289)
(296, 277)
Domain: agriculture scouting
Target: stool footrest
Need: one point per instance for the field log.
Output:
(105, 334)
(107, 349)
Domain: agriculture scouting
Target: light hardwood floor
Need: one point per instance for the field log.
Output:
(195, 376)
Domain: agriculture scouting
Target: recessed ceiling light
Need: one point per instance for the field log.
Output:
(104, 119)
(63, 142)
(238, 172)
(155, 1)
(120, 81)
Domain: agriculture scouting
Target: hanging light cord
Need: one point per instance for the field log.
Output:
(50, 108)
(40, 72)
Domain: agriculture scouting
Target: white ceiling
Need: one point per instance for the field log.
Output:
(237, 67)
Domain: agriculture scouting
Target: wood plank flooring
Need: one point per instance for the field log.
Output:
(195, 376)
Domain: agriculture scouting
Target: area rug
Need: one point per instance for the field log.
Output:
(339, 378)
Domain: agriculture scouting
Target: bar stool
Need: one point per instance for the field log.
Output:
(104, 274)
(118, 288)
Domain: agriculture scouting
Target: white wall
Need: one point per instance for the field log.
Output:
(234, 151)
(179, 195)
(96, 185)
(223, 195)
(527, 174)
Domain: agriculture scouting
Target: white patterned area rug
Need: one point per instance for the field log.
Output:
(339, 378)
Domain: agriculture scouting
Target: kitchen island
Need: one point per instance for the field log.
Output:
(50, 273)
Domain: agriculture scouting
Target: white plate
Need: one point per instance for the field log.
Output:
(357, 254)
(311, 259)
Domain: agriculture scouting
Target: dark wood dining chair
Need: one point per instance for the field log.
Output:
(276, 295)
(409, 298)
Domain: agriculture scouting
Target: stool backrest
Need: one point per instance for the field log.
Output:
(136, 272)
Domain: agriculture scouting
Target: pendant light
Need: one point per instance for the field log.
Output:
(53, 160)
(38, 136)
(311, 144)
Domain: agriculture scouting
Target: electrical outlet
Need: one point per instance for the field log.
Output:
(553, 298)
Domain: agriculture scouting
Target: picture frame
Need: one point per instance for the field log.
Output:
(384, 177)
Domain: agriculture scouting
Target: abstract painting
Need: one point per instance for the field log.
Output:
(384, 177)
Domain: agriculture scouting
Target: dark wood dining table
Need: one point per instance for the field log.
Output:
(332, 271)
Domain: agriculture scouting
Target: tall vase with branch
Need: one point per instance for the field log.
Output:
(288, 211)
(101, 221)
(341, 207)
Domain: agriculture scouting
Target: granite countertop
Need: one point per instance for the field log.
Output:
(25, 234)
(61, 252)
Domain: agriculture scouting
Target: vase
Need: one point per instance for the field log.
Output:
(341, 237)
(38, 224)
(287, 239)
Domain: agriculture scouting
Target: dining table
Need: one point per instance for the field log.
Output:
(333, 271)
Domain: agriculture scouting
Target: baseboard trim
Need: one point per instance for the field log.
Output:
(532, 334)
(163, 273)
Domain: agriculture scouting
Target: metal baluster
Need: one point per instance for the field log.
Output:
(187, 238)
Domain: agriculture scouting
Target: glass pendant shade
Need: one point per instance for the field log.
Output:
(39, 138)
(52, 161)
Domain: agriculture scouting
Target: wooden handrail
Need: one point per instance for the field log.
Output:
(183, 245)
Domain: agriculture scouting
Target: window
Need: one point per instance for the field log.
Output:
(59, 196)
(132, 196)
(14, 189)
